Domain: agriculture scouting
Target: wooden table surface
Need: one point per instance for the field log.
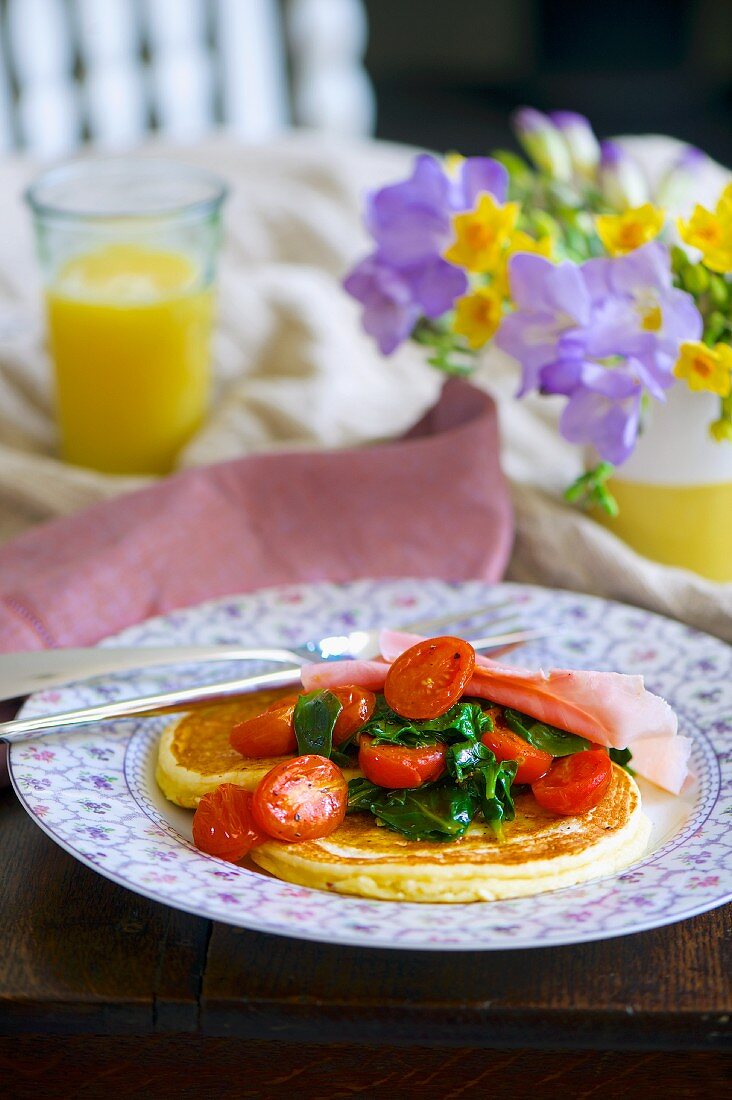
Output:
(84, 960)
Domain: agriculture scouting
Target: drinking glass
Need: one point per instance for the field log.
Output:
(128, 249)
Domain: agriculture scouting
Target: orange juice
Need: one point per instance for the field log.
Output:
(129, 331)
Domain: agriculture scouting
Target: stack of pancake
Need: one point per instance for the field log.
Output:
(539, 852)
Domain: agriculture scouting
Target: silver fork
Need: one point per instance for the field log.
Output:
(25, 673)
(362, 644)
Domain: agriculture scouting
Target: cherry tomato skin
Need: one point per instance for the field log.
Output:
(269, 734)
(301, 799)
(574, 784)
(223, 825)
(508, 745)
(397, 766)
(427, 679)
(358, 706)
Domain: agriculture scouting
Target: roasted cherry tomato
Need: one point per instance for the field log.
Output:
(574, 784)
(427, 679)
(358, 706)
(269, 734)
(301, 799)
(272, 733)
(398, 766)
(508, 745)
(223, 825)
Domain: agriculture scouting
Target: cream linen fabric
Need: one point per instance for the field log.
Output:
(294, 369)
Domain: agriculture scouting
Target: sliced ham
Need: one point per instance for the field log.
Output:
(333, 674)
(662, 760)
(610, 708)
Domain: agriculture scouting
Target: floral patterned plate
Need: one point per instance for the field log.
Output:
(93, 789)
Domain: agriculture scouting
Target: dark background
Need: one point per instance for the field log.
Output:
(448, 72)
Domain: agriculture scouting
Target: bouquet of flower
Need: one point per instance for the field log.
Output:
(569, 265)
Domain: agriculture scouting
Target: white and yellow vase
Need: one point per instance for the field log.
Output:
(675, 490)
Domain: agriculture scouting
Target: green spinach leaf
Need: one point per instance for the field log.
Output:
(464, 757)
(314, 718)
(547, 738)
(436, 811)
(492, 781)
(463, 721)
(622, 757)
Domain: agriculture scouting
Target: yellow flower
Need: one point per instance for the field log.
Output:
(711, 232)
(478, 315)
(520, 242)
(706, 368)
(622, 233)
(481, 234)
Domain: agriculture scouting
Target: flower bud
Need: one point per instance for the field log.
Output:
(719, 291)
(715, 326)
(695, 278)
(679, 259)
(621, 180)
(543, 142)
(584, 148)
(721, 430)
(677, 188)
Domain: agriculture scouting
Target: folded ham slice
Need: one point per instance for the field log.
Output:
(332, 674)
(663, 760)
(609, 708)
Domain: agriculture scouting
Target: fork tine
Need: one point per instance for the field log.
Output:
(459, 617)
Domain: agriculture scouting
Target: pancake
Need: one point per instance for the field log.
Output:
(540, 852)
(195, 757)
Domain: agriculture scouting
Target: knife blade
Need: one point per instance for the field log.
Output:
(20, 729)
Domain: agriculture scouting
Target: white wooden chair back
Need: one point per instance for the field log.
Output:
(108, 71)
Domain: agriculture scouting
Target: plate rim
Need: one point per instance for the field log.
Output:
(572, 934)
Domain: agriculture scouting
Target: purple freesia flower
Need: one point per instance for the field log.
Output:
(636, 311)
(390, 310)
(410, 221)
(601, 334)
(550, 322)
(406, 276)
(604, 411)
(394, 299)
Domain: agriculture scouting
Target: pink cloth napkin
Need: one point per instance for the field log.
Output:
(431, 504)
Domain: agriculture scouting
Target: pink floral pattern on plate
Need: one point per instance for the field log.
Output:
(93, 790)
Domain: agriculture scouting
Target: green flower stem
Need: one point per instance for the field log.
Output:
(591, 489)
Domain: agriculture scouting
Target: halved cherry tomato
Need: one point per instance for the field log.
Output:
(223, 825)
(269, 734)
(574, 784)
(427, 679)
(508, 745)
(301, 799)
(272, 733)
(358, 706)
(399, 766)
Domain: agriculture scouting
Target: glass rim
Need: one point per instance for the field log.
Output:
(97, 167)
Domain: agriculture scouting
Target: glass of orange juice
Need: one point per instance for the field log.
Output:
(128, 250)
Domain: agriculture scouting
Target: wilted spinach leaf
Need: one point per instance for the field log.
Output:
(464, 756)
(314, 718)
(547, 738)
(436, 811)
(492, 782)
(463, 721)
(622, 757)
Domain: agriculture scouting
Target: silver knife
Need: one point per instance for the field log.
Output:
(25, 673)
(21, 729)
